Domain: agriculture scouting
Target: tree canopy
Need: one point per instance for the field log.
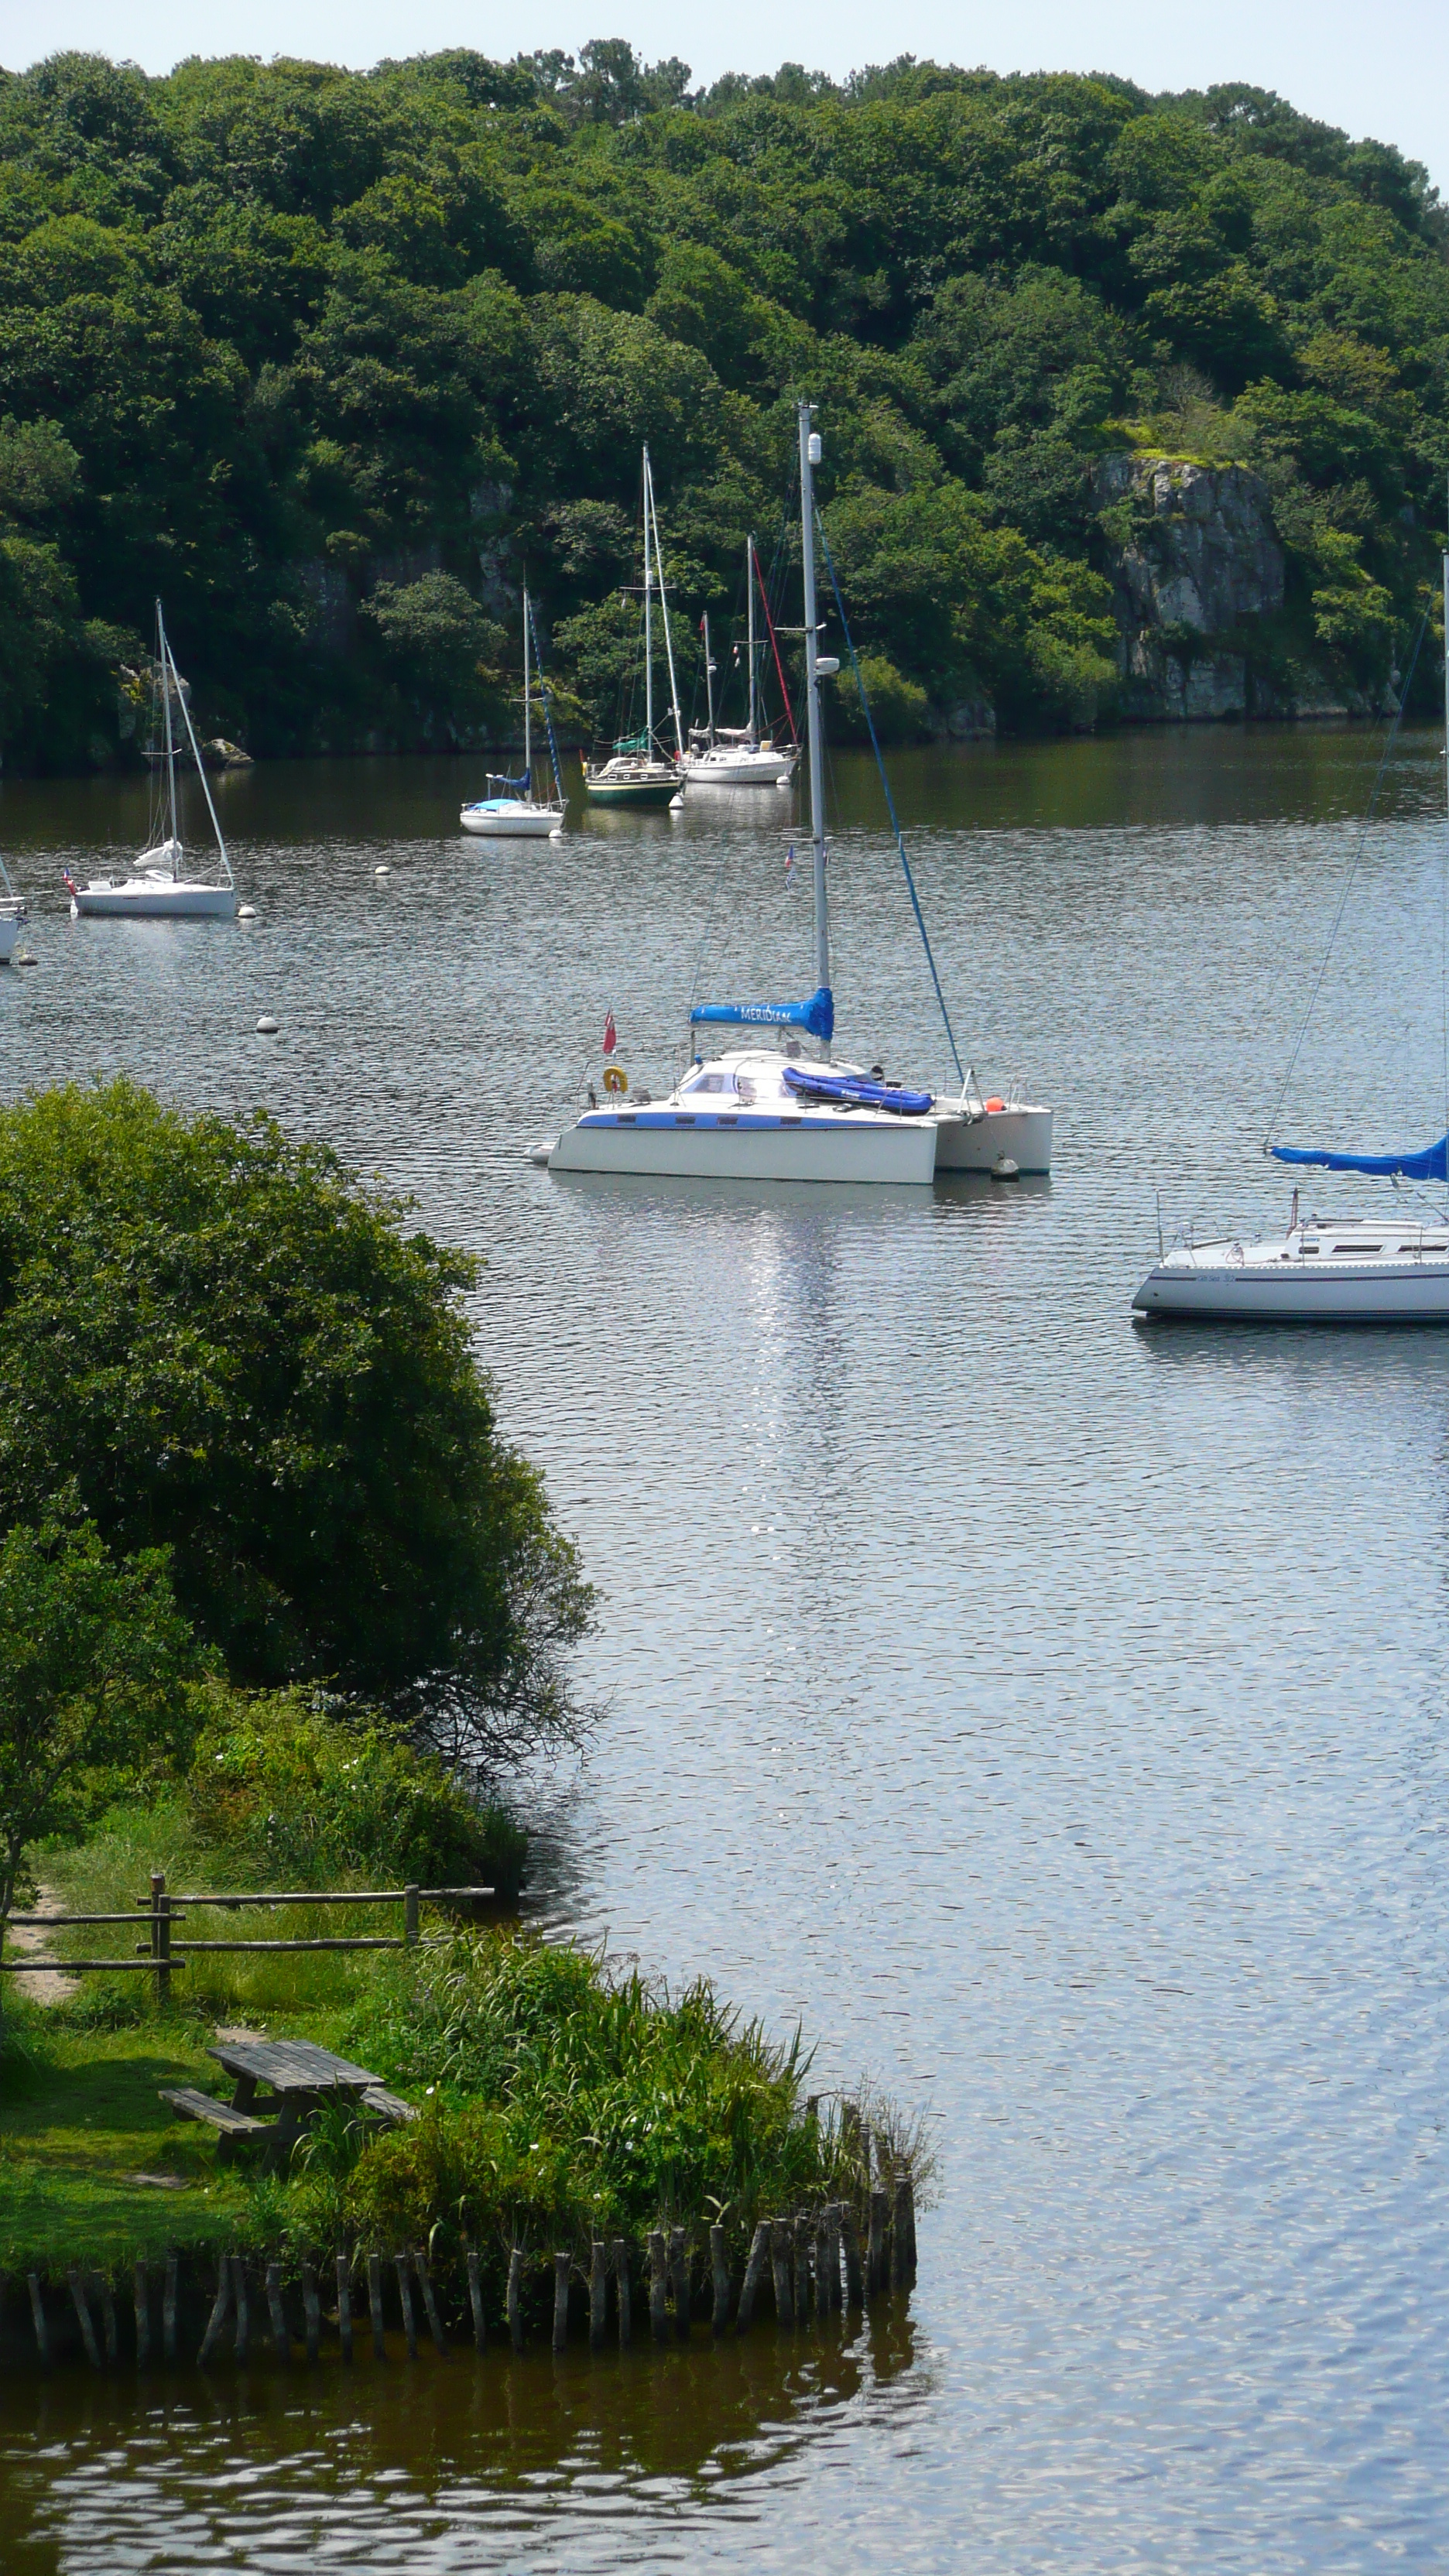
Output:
(229, 1350)
(288, 343)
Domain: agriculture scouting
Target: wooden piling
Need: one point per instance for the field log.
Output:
(679, 2281)
(37, 2311)
(719, 2265)
(780, 2266)
(754, 2275)
(621, 2278)
(405, 2295)
(374, 2302)
(430, 2304)
(906, 2225)
(822, 2268)
(344, 2306)
(850, 2131)
(876, 2274)
(598, 2293)
(81, 2306)
(141, 2295)
(899, 2264)
(311, 2310)
(658, 2286)
(111, 2339)
(802, 2233)
(219, 2307)
(515, 2297)
(833, 2217)
(168, 2304)
(243, 2312)
(854, 2276)
(281, 2339)
(475, 2300)
(560, 2302)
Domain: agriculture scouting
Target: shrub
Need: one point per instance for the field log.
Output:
(281, 1780)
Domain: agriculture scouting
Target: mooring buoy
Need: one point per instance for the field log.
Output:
(246, 912)
(266, 1028)
(382, 872)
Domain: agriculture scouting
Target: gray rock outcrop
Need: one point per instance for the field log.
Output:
(1197, 564)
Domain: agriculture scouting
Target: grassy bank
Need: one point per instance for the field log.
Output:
(559, 2101)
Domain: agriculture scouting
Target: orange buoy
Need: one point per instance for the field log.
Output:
(996, 1104)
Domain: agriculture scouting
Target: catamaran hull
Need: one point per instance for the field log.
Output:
(11, 927)
(834, 1149)
(1381, 1293)
(154, 903)
(992, 1138)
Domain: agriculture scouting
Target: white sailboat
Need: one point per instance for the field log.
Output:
(1323, 1270)
(159, 886)
(637, 772)
(526, 816)
(768, 1111)
(725, 756)
(13, 916)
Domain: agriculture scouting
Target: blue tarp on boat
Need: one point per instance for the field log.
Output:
(816, 1017)
(817, 1082)
(1430, 1165)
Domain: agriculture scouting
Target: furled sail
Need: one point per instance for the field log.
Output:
(816, 1017)
(1430, 1165)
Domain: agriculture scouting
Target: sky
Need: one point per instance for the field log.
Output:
(1379, 70)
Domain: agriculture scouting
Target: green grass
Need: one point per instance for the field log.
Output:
(79, 2121)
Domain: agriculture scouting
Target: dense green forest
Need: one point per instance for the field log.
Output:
(327, 359)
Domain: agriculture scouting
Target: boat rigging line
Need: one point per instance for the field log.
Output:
(1347, 889)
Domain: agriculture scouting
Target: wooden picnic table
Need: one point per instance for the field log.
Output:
(300, 2077)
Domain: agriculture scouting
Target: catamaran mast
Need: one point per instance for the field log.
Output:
(163, 656)
(708, 678)
(750, 601)
(527, 712)
(809, 458)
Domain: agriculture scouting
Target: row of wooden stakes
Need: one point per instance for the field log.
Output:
(814, 2264)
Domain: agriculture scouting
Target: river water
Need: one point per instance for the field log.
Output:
(1045, 1711)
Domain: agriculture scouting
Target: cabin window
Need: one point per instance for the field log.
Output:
(1355, 1251)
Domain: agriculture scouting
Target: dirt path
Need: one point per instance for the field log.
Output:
(43, 1986)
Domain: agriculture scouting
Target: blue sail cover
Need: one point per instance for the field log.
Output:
(496, 779)
(1431, 1165)
(854, 1090)
(816, 1017)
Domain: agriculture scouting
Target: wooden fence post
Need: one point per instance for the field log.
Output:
(219, 2307)
(475, 2301)
(515, 2298)
(598, 2294)
(754, 2274)
(560, 2301)
(37, 2310)
(142, 2293)
(344, 2306)
(430, 2305)
(311, 2310)
(281, 2339)
(243, 2312)
(621, 2275)
(719, 2265)
(780, 2265)
(374, 2302)
(83, 2315)
(679, 2281)
(410, 1915)
(161, 1935)
(168, 2304)
(658, 2286)
(405, 2295)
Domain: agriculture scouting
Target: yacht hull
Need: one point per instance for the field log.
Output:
(154, 903)
(1411, 1292)
(521, 823)
(746, 769)
(983, 1142)
(11, 926)
(847, 1148)
(650, 791)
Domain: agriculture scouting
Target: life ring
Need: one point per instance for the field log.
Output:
(615, 1078)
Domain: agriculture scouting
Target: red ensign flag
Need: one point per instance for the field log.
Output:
(611, 1034)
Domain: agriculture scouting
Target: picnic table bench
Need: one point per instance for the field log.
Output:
(300, 2079)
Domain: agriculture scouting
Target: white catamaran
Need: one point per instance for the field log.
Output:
(768, 1112)
(637, 772)
(160, 887)
(524, 816)
(1324, 1270)
(726, 756)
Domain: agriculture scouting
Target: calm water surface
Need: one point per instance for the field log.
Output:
(1046, 1712)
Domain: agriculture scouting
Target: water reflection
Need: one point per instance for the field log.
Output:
(452, 2464)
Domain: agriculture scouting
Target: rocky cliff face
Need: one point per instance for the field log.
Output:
(1195, 566)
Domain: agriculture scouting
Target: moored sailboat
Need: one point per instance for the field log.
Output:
(522, 816)
(13, 915)
(1324, 1270)
(160, 887)
(725, 756)
(637, 772)
(766, 1110)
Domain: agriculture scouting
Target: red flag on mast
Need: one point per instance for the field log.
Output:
(611, 1034)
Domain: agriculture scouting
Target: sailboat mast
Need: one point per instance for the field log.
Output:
(664, 613)
(163, 656)
(648, 621)
(750, 601)
(708, 679)
(527, 711)
(809, 458)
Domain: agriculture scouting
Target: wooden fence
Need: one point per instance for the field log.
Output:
(162, 1911)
